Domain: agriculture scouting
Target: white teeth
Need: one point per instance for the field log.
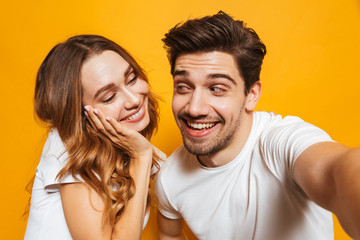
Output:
(200, 126)
(135, 115)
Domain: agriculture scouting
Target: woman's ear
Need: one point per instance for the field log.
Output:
(253, 96)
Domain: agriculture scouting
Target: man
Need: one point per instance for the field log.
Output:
(244, 174)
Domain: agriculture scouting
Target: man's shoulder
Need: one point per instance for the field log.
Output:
(178, 163)
(271, 127)
(268, 120)
(177, 157)
(178, 154)
(274, 117)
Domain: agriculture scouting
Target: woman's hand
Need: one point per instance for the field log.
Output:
(136, 143)
(129, 226)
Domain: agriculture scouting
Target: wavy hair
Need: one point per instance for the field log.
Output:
(93, 157)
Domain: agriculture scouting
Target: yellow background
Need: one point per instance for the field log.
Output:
(311, 69)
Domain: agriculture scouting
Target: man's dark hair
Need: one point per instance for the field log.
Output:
(219, 32)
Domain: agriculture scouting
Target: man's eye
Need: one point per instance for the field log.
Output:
(181, 88)
(109, 99)
(216, 89)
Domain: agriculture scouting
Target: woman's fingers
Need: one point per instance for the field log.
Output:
(139, 142)
(98, 121)
(117, 133)
(118, 127)
(106, 127)
(89, 119)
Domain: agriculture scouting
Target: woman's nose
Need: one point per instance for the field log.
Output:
(132, 99)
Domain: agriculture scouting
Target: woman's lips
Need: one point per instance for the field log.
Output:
(136, 116)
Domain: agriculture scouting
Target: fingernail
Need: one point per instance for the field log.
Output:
(108, 119)
(86, 114)
(87, 108)
(96, 111)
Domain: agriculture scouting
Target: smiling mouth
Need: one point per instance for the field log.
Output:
(199, 126)
(136, 115)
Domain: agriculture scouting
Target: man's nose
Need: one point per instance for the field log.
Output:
(198, 104)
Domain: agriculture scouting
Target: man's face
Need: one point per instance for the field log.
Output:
(208, 101)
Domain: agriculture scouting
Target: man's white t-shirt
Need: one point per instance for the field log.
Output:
(46, 217)
(252, 197)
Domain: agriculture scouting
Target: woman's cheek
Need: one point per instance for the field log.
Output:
(112, 110)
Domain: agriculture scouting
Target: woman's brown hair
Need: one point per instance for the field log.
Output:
(101, 164)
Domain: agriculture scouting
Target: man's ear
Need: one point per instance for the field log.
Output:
(253, 96)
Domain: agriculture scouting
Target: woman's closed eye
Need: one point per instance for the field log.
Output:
(132, 78)
(109, 99)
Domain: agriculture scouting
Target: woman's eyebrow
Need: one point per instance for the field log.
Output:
(128, 71)
(112, 85)
(103, 89)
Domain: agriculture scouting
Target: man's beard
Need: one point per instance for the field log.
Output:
(202, 147)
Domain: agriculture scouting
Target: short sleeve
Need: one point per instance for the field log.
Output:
(52, 160)
(283, 142)
(164, 205)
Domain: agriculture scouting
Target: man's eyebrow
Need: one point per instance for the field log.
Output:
(222, 75)
(180, 73)
(104, 88)
(210, 76)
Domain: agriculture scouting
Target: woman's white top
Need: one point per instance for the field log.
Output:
(46, 217)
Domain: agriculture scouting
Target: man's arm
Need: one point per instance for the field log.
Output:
(329, 173)
(170, 229)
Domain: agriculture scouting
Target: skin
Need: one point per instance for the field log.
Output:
(124, 104)
(111, 85)
(210, 107)
(327, 172)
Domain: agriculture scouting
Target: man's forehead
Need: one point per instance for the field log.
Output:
(210, 62)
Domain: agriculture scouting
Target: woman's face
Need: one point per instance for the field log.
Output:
(110, 84)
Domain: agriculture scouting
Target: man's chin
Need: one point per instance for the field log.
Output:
(197, 148)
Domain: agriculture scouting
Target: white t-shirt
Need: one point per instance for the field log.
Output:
(46, 217)
(252, 197)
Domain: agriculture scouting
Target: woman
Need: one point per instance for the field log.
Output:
(92, 181)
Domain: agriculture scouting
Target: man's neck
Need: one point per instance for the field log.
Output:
(229, 153)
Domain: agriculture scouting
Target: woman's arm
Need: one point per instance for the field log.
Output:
(131, 221)
(83, 207)
(83, 210)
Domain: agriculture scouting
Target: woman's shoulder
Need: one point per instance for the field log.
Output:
(53, 144)
(54, 152)
(52, 160)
